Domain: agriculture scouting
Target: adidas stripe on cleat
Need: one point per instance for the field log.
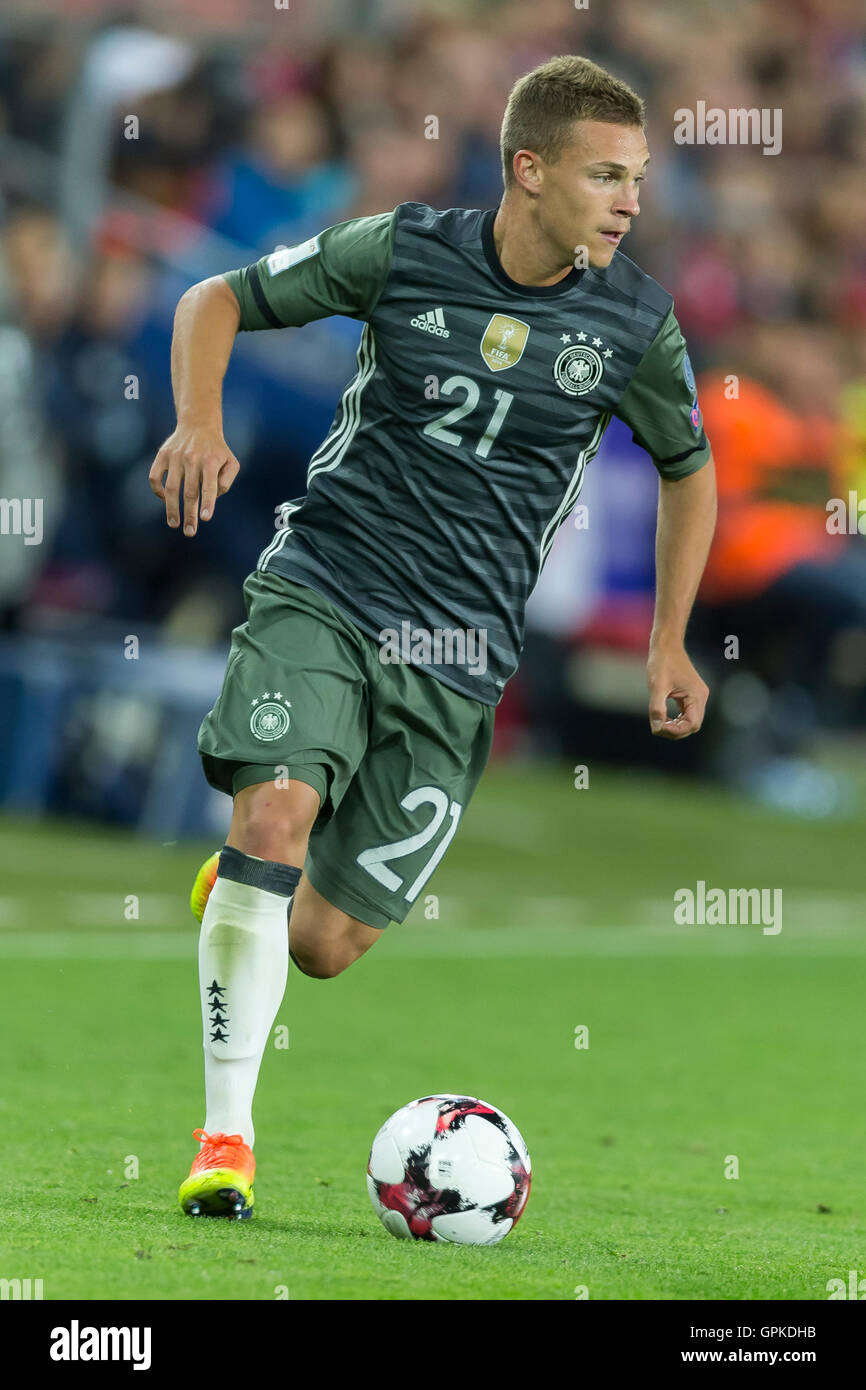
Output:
(220, 1181)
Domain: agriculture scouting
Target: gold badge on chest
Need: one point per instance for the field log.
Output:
(503, 341)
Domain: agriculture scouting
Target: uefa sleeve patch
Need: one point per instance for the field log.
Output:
(688, 374)
(287, 256)
(694, 409)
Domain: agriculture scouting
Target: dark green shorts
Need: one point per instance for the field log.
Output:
(394, 754)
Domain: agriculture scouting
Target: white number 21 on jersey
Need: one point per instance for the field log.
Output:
(375, 860)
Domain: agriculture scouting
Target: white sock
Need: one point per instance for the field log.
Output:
(243, 967)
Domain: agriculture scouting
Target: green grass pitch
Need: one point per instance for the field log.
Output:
(555, 911)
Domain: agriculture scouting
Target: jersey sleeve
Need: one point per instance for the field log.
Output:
(660, 405)
(340, 271)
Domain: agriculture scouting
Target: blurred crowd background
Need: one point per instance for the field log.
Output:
(144, 147)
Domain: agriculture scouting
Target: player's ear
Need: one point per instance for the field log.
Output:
(527, 171)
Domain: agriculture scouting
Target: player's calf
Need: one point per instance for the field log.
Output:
(271, 825)
(324, 940)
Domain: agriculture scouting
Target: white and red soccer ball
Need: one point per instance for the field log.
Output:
(449, 1168)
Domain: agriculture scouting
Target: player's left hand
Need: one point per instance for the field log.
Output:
(671, 676)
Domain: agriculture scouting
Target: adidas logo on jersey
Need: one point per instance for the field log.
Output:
(433, 321)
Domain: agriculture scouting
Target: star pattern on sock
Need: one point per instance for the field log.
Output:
(218, 1014)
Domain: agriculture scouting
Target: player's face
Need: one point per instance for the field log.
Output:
(590, 195)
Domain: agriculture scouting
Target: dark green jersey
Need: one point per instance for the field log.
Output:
(460, 446)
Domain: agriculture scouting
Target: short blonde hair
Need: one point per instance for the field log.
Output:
(544, 104)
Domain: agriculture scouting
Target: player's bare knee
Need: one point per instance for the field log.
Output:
(272, 823)
(267, 838)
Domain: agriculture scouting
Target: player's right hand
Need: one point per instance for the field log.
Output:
(194, 463)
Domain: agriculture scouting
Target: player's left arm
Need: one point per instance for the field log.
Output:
(661, 407)
(684, 531)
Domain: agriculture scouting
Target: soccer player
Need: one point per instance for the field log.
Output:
(386, 614)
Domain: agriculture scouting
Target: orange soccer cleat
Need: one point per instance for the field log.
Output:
(220, 1181)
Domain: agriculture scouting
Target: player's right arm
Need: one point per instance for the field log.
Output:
(340, 271)
(195, 460)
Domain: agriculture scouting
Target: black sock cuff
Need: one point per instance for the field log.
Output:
(258, 873)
